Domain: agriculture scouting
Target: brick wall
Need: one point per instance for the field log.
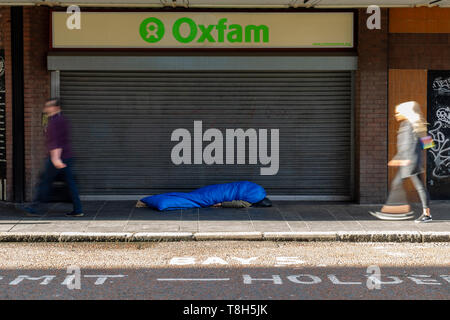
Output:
(36, 89)
(371, 111)
(5, 43)
(419, 51)
(419, 38)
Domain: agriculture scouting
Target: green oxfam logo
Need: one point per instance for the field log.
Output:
(152, 30)
(186, 30)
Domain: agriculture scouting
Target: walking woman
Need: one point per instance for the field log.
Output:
(411, 140)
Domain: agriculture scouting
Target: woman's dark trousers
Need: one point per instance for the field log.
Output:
(397, 195)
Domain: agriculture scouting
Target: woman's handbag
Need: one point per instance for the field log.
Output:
(427, 142)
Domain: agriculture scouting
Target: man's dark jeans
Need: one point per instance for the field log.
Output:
(45, 184)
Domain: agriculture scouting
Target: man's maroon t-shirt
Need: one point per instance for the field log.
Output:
(58, 135)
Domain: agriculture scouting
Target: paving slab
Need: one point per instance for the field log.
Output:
(146, 214)
(23, 227)
(267, 219)
(270, 226)
(6, 226)
(225, 227)
(333, 226)
(62, 229)
(224, 219)
(379, 225)
(152, 228)
(294, 220)
(288, 219)
(62, 218)
(433, 227)
(190, 220)
(223, 214)
(116, 210)
(108, 223)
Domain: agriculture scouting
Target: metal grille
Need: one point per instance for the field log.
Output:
(122, 125)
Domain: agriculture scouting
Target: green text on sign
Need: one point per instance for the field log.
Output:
(152, 30)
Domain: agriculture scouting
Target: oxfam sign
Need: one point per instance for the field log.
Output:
(172, 30)
(185, 30)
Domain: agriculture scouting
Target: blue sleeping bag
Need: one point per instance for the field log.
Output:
(207, 196)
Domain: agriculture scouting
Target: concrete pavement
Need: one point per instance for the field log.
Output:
(286, 220)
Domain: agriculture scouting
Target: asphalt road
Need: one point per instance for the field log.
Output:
(225, 270)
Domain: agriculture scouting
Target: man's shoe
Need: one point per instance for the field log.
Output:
(423, 219)
(31, 212)
(75, 214)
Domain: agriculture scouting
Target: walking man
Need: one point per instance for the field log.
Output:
(59, 159)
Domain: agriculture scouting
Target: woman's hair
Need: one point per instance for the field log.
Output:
(411, 111)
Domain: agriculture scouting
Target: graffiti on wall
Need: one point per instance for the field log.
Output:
(2, 126)
(441, 151)
(438, 161)
(2, 116)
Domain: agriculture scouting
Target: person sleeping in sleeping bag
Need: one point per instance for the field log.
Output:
(240, 194)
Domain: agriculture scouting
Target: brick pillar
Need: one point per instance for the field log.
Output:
(5, 43)
(36, 90)
(371, 111)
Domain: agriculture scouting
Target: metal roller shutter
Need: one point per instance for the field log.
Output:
(122, 124)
